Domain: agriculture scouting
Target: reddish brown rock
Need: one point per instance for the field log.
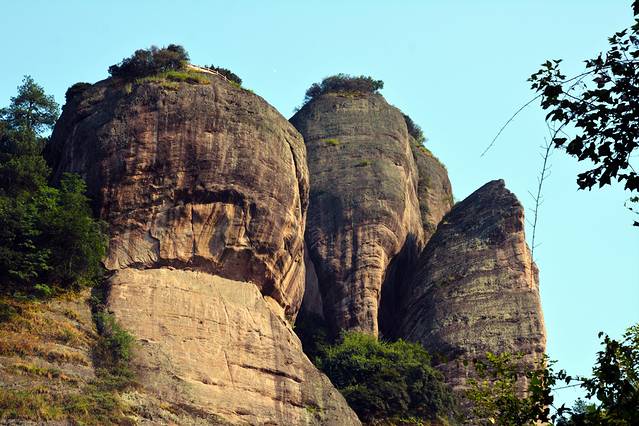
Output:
(434, 191)
(205, 189)
(207, 177)
(363, 208)
(476, 288)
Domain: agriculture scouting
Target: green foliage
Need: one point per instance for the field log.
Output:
(596, 113)
(332, 141)
(495, 398)
(343, 83)
(154, 60)
(185, 76)
(113, 353)
(31, 110)
(383, 381)
(48, 237)
(75, 90)
(414, 129)
(230, 75)
(614, 383)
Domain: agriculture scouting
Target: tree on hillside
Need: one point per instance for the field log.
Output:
(596, 113)
(48, 237)
(23, 123)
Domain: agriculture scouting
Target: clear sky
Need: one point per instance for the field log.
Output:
(459, 68)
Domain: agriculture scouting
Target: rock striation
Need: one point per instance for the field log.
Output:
(363, 207)
(205, 176)
(476, 287)
(218, 346)
(434, 190)
(205, 190)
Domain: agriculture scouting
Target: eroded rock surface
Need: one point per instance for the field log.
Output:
(205, 176)
(205, 190)
(218, 346)
(434, 191)
(476, 288)
(363, 209)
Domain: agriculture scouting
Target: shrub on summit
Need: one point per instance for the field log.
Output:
(154, 60)
(344, 83)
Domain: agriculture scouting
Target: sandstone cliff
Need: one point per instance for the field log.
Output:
(434, 190)
(205, 190)
(375, 198)
(476, 287)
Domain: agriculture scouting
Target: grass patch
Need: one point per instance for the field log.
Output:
(332, 141)
(43, 330)
(171, 79)
(90, 407)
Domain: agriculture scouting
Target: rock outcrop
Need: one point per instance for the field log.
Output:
(476, 287)
(205, 190)
(434, 191)
(202, 176)
(217, 345)
(363, 207)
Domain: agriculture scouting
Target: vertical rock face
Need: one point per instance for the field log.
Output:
(434, 191)
(206, 177)
(363, 204)
(205, 190)
(476, 287)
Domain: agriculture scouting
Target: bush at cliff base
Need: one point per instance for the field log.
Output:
(387, 381)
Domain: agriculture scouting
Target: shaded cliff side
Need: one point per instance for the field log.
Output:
(364, 227)
(476, 287)
(205, 189)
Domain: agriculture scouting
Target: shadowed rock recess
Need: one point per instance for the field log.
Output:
(364, 228)
(476, 287)
(205, 190)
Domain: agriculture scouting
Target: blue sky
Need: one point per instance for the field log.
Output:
(459, 68)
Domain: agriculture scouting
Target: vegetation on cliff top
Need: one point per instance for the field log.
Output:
(414, 129)
(343, 83)
(154, 60)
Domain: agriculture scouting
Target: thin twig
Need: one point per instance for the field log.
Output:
(543, 175)
(578, 77)
(512, 117)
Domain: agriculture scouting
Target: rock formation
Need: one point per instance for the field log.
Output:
(205, 190)
(434, 191)
(375, 197)
(476, 287)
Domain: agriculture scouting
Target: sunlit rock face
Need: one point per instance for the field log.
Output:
(207, 177)
(476, 288)
(372, 188)
(205, 191)
(363, 208)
